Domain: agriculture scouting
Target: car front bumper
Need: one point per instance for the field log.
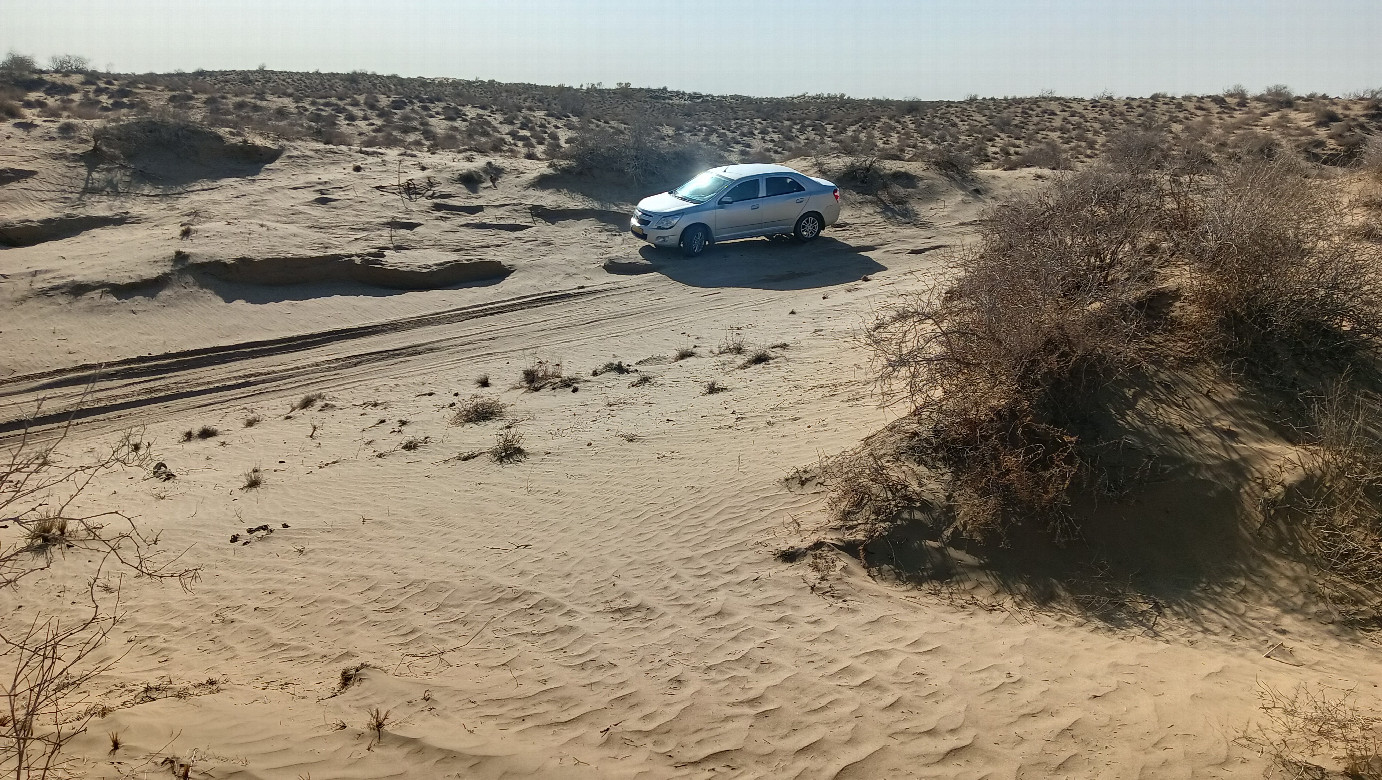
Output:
(669, 237)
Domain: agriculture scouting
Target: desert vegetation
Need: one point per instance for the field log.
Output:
(478, 408)
(508, 447)
(1310, 732)
(1153, 268)
(652, 137)
(49, 662)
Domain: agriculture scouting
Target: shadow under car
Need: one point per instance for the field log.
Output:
(767, 264)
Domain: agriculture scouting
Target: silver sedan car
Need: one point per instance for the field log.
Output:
(737, 201)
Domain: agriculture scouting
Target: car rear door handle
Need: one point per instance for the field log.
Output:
(801, 200)
(754, 206)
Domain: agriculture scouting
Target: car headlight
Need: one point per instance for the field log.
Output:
(666, 223)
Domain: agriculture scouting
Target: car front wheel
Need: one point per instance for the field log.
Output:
(808, 227)
(694, 240)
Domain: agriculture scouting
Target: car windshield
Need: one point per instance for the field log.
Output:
(699, 189)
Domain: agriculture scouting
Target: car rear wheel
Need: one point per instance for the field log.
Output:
(694, 240)
(808, 227)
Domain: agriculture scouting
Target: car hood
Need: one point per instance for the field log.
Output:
(664, 203)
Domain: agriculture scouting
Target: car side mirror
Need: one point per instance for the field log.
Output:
(726, 200)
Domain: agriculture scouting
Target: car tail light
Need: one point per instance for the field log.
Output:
(837, 194)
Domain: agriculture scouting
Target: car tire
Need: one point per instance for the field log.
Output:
(694, 240)
(809, 226)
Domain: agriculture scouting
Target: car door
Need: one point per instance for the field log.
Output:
(784, 199)
(740, 210)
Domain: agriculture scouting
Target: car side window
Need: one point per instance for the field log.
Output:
(783, 185)
(744, 190)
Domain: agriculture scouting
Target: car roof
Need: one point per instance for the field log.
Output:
(753, 169)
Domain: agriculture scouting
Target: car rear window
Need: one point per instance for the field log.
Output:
(783, 185)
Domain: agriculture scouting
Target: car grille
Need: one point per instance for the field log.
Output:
(641, 218)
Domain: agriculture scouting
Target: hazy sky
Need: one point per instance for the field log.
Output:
(866, 48)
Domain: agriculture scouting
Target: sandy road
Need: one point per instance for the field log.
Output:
(142, 389)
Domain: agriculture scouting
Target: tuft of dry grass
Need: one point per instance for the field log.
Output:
(540, 374)
(205, 432)
(613, 367)
(478, 408)
(46, 533)
(758, 358)
(683, 353)
(712, 387)
(508, 447)
(307, 401)
(253, 479)
(482, 380)
(733, 344)
(643, 379)
(350, 675)
(252, 420)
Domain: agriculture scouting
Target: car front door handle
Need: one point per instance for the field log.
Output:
(754, 206)
(801, 200)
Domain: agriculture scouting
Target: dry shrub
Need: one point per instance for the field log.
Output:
(1047, 154)
(1370, 160)
(1306, 727)
(642, 155)
(47, 664)
(478, 408)
(950, 161)
(1273, 270)
(1277, 96)
(471, 179)
(1138, 148)
(541, 374)
(69, 63)
(1004, 363)
(870, 176)
(378, 719)
(1333, 515)
(16, 67)
(1252, 145)
(508, 447)
(876, 483)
